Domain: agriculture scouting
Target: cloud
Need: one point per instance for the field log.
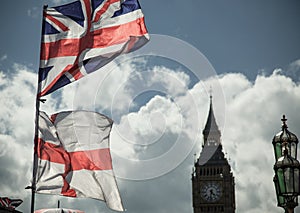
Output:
(34, 12)
(175, 83)
(59, 2)
(4, 57)
(295, 64)
(16, 131)
(293, 70)
(253, 116)
(153, 145)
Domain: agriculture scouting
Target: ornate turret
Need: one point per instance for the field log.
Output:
(285, 136)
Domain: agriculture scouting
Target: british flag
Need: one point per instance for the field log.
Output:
(10, 203)
(80, 37)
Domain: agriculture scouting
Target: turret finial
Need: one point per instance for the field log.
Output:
(284, 126)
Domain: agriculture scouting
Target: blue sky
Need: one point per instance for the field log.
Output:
(234, 35)
(250, 47)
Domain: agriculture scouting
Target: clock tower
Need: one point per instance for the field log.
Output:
(212, 179)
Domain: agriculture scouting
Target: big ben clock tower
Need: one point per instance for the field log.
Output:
(212, 180)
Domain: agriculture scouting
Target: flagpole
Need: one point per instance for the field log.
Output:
(36, 133)
(36, 136)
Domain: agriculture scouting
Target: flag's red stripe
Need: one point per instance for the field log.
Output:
(53, 117)
(88, 12)
(50, 152)
(63, 47)
(98, 159)
(56, 22)
(131, 44)
(97, 39)
(104, 9)
(76, 73)
(66, 190)
(118, 34)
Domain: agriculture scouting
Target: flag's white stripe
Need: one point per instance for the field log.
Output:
(49, 178)
(83, 131)
(99, 8)
(47, 130)
(119, 20)
(84, 182)
(105, 51)
(87, 147)
(57, 61)
(109, 12)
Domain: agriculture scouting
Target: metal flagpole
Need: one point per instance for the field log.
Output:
(36, 134)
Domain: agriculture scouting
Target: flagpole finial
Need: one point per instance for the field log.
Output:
(45, 6)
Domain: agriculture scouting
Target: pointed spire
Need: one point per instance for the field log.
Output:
(210, 94)
(211, 130)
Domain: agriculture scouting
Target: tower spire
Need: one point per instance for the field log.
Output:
(212, 180)
(211, 131)
(210, 94)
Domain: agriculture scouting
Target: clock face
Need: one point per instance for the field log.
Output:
(211, 191)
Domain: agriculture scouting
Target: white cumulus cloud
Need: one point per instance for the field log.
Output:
(158, 139)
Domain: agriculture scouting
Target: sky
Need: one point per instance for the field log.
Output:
(247, 52)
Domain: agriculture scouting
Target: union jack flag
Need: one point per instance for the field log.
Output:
(10, 203)
(80, 37)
